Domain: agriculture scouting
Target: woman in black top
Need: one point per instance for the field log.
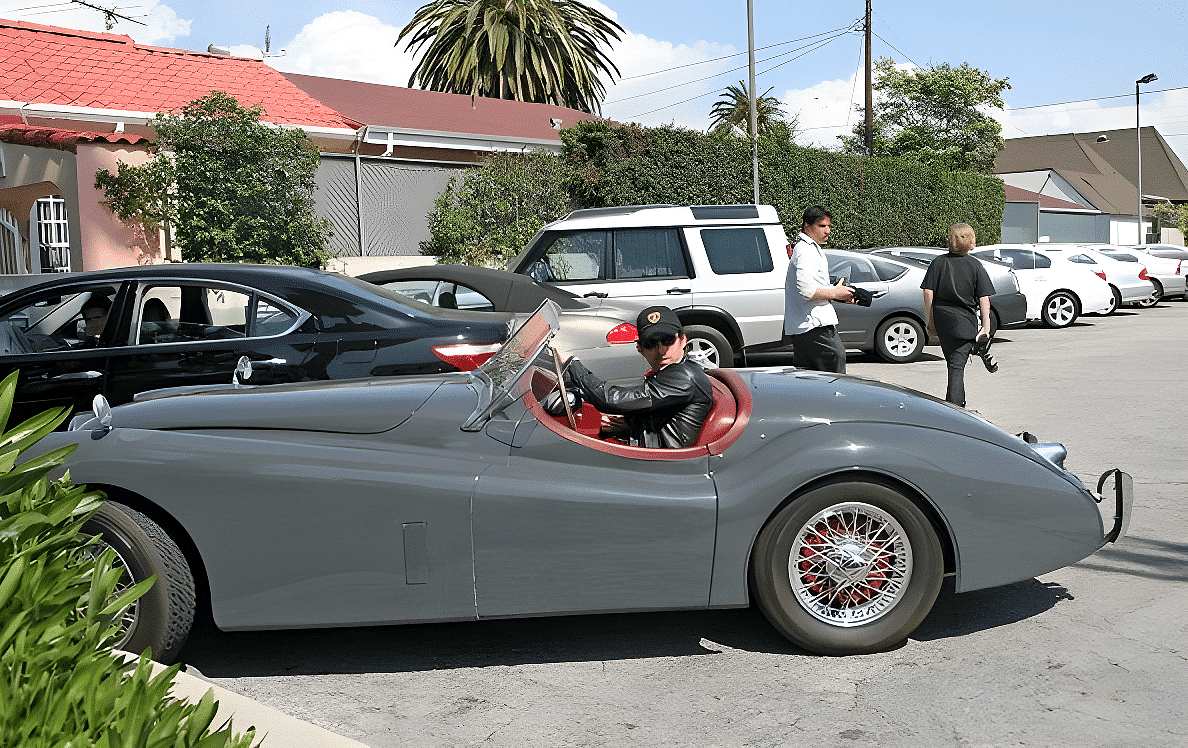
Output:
(957, 293)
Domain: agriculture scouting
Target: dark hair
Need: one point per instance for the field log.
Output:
(97, 301)
(814, 213)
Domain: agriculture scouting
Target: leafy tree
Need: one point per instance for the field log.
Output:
(734, 110)
(231, 188)
(935, 114)
(489, 216)
(1171, 215)
(543, 51)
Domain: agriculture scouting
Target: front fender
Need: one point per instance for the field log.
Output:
(1009, 517)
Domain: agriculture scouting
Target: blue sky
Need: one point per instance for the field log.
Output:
(1053, 51)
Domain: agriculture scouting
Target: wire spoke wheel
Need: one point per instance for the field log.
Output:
(127, 622)
(850, 564)
(848, 567)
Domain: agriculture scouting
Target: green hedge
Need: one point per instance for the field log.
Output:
(874, 201)
(59, 684)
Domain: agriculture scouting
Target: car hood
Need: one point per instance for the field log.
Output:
(787, 399)
(357, 406)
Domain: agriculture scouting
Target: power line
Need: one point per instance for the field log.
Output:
(726, 72)
(738, 54)
(892, 46)
(1098, 98)
(109, 14)
(817, 46)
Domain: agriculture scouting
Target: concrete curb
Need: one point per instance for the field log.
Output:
(274, 729)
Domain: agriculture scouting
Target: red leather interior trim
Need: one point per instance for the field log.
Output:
(540, 384)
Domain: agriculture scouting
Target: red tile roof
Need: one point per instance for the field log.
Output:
(414, 109)
(51, 65)
(63, 140)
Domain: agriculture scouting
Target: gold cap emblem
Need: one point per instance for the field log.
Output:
(653, 317)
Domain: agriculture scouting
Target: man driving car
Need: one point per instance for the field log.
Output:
(667, 409)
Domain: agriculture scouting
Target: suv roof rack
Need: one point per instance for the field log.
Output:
(619, 210)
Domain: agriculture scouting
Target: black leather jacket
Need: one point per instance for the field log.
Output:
(666, 410)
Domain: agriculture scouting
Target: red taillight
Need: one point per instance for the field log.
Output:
(623, 333)
(465, 356)
(1143, 275)
(789, 251)
(1179, 265)
(1099, 274)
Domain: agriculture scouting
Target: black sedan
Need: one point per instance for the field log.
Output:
(123, 331)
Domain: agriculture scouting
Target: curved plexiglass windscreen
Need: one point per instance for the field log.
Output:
(496, 379)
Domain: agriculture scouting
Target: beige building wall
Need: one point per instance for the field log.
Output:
(108, 242)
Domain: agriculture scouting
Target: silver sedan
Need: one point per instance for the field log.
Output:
(893, 326)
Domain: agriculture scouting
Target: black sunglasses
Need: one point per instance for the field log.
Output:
(664, 340)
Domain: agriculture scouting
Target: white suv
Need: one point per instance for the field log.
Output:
(720, 267)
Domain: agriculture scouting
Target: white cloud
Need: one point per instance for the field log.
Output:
(826, 110)
(643, 99)
(159, 24)
(348, 45)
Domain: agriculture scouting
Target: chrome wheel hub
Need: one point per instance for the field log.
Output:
(900, 339)
(850, 564)
(127, 622)
(702, 352)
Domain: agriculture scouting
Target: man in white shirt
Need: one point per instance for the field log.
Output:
(810, 323)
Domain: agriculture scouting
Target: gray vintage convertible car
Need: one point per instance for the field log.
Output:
(837, 504)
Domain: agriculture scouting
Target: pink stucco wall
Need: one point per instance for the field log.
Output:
(106, 241)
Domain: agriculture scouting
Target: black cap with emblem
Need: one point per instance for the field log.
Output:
(657, 321)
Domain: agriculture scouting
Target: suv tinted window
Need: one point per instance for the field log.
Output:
(735, 251)
(649, 253)
(573, 257)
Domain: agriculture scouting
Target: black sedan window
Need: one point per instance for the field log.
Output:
(56, 320)
(184, 313)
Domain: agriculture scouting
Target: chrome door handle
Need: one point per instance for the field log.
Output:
(77, 375)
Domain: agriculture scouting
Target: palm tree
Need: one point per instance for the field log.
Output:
(544, 51)
(734, 110)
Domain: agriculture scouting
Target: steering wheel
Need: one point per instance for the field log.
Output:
(561, 385)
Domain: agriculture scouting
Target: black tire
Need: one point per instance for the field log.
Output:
(1060, 309)
(163, 616)
(1155, 297)
(708, 347)
(899, 340)
(850, 621)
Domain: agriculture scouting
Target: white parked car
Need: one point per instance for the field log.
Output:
(1129, 282)
(1057, 291)
(1165, 273)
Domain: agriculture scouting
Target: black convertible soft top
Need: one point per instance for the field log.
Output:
(508, 292)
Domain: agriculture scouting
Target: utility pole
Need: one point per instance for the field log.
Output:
(869, 90)
(751, 97)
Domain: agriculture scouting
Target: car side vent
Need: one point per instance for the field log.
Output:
(723, 212)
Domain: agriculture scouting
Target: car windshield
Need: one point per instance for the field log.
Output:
(497, 378)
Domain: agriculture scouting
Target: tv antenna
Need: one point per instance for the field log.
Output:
(268, 44)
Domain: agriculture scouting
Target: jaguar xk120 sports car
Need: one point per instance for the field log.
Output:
(838, 504)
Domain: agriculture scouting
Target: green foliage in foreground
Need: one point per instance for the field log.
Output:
(59, 684)
(230, 187)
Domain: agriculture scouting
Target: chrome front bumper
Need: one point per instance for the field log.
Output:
(1122, 493)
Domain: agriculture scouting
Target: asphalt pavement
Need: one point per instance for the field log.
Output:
(1091, 655)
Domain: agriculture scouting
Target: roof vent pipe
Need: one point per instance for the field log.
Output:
(224, 51)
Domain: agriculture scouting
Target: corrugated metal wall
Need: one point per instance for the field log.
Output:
(378, 207)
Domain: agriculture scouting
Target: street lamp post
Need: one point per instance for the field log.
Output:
(1138, 139)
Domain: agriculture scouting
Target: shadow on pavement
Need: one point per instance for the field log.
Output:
(956, 615)
(621, 636)
(1142, 557)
